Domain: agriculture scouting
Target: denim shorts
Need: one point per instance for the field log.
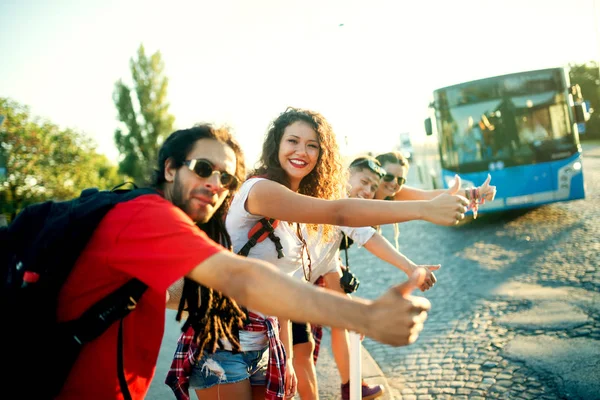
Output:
(226, 367)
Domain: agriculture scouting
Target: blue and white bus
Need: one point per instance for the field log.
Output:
(521, 128)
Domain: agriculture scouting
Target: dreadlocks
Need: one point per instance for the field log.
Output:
(211, 314)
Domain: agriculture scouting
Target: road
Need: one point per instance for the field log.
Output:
(516, 311)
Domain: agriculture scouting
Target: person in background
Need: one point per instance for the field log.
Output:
(532, 131)
(393, 186)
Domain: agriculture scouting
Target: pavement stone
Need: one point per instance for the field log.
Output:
(575, 360)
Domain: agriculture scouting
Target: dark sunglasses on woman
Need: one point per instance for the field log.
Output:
(390, 177)
(204, 169)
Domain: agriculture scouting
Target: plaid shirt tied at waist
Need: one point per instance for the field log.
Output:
(184, 359)
(186, 355)
(277, 356)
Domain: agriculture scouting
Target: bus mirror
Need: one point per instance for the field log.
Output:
(428, 127)
(581, 112)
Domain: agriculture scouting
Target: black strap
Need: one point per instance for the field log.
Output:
(98, 318)
(123, 184)
(346, 251)
(120, 367)
(266, 226)
(275, 239)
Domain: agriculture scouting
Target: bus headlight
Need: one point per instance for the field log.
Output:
(576, 166)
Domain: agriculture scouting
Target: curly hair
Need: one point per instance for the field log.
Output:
(326, 180)
(211, 314)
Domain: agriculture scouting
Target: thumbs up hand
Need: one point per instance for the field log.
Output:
(397, 317)
(487, 192)
(456, 187)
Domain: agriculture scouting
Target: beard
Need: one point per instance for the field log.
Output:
(198, 215)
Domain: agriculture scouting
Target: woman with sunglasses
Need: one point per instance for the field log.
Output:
(393, 186)
(299, 180)
(393, 182)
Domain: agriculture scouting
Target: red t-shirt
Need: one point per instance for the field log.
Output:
(147, 238)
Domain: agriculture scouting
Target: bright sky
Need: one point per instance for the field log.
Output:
(368, 66)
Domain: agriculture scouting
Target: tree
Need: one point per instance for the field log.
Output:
(146, 123)
(587, 77)
(45, 162)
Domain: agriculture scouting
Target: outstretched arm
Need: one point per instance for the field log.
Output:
(270, 199)
(487, 192)
(411, 193)
(383, 249)
(396, 318)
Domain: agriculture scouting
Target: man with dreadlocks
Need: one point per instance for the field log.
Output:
(156, 239)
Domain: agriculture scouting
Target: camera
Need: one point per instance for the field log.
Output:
(348, 282)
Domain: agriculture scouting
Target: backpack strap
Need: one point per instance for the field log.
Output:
(346, 245)
(120, 367)
(105, 312)
(260, 231)
(99, 317)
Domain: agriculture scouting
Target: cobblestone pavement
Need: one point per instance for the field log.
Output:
(512, 289)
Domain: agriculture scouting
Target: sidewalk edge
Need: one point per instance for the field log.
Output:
(373, 375)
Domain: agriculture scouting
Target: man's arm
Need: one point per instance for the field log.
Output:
(396, 318)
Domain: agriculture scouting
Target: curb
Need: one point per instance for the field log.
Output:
(329, 379)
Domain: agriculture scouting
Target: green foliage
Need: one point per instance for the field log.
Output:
(146, 123)
(45, 162)
(587, 76)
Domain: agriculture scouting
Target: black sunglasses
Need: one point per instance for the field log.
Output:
(390, 177)
(371, 165)
(205, 169)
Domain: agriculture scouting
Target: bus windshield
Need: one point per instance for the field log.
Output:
(514, 120)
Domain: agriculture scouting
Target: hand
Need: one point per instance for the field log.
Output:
(291, 382)
(486, 191)
(430, 278)
(396, 318)
(456, 187)
(446, 209)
